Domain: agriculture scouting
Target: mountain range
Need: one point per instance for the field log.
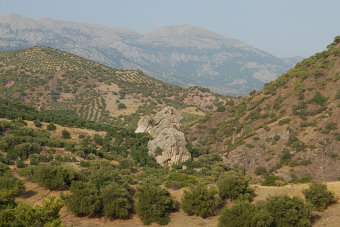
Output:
(181, 55)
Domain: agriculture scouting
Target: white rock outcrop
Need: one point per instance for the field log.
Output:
(168, 144)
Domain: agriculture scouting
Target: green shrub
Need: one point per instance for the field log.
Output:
(331, 126)
(37, 123)
(20, 164)
(220, 109)
(319, 99)
(51, 127)
(121, 106)
(33, 160)
(276, 138)
(98, 139)
(116, 201)
(65, 134)
(10, 185)
(288, 211)
(25, 214)
(181, 178)
(318, 195)
(244, 214)
(52, 176)
(153, 203)
(235, 186)
(296, 180)
(252, 92)
(260, 170)
(272, 180)
(284, 121)
(24, 150)
(201, 200)
(84, 199)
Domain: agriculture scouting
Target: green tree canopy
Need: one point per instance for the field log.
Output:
(201, 200)
(153, 203)
(235, 186)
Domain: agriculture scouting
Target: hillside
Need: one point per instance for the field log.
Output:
(180, 55)
(98, 166)
(291, 127)
(55, 80)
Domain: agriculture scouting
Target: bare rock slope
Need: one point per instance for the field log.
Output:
(168, 144)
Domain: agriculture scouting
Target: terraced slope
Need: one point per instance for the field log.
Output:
(181, 55)
(55, 80)
(291, 127)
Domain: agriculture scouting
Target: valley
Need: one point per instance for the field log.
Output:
(84, 144)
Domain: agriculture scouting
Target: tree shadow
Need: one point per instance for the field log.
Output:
(28, 194)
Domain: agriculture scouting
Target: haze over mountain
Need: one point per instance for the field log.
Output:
(181, 55)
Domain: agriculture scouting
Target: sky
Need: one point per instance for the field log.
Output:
(284, 28)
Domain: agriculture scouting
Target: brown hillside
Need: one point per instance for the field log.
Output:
(292, 126)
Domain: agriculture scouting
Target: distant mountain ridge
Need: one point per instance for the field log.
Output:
(181, 55)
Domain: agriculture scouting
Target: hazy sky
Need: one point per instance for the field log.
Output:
(284, 28)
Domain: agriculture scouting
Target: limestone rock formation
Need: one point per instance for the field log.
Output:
(168, 144)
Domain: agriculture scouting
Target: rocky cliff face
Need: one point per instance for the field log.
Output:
(181, 55)
(168, 144)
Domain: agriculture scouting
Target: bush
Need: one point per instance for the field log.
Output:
(37, 123)
(244, 214)
(201, 200)
(51, 127)
(52, 176)
(66, 134)
(260, 170)
(25, 214)
(183, 179)
(33, 160)
(116, 201)
(4, 169)
(252, 92)
(272, 180)
(98, 139)
(318, 195)
(288, 211)
(121, 106)
(20, 164)
(153, 203)
(319, 99)
(84, 199)
(220, 109)
(235, 186)
(10, 185)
